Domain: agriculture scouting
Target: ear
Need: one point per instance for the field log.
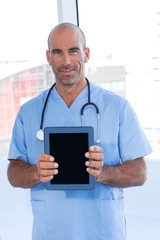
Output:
(48, 56)
(86, 54)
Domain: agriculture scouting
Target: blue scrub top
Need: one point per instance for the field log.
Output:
(85, 214)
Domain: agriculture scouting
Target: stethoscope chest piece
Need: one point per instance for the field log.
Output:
(40, 135)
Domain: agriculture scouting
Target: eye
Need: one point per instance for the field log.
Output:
(56, 52)
(74, 50)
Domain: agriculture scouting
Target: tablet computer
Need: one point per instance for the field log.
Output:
(68, 145)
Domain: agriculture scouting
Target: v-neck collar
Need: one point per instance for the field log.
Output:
(69, 113)
(56, 96)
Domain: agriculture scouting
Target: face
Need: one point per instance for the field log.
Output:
(67, 55)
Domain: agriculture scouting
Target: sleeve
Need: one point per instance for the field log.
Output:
(132, 140)
(17, 149)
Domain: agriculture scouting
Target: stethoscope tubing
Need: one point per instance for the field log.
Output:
(40, 134)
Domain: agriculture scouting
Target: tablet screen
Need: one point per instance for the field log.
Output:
(68, 145)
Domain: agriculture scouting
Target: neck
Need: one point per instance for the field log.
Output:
(70, 92)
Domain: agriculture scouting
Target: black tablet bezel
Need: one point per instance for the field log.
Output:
(62, 130)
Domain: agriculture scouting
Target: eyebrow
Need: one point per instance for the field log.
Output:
(60, 50)
(55, 49)
(74, 48)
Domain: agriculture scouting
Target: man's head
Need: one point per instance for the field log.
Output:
(67, 25)
(67, 53)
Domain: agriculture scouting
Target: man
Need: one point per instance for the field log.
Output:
(118, 160)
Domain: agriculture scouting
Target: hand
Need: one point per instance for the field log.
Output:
(95, 165)
(46, 167)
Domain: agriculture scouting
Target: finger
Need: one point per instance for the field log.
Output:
(94, 172)
(95, 164)
(45, 157)
(95, 149)
(45, 179)
(98, 156)
(47, 175)
(95, 152)
(47, 165)
(46, 162)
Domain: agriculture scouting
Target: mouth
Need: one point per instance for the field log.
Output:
(66, 72)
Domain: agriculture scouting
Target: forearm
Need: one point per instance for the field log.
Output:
(21, 174)
(130, 173)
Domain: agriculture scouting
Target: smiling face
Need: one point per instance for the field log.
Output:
(67, 54)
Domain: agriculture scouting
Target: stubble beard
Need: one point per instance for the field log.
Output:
(67, 80)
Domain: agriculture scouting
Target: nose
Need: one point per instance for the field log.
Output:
(66, 60)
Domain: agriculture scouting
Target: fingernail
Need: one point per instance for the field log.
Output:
(87, 163)
(91, 148)
(87, 154)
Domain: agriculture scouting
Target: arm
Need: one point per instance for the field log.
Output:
(21, 174)
(130, 173)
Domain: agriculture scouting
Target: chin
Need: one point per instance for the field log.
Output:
(68, 82)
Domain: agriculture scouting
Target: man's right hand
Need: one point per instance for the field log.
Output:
(46, 167)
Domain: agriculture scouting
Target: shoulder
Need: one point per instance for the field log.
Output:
(32, 107)
(35, 101)
(108, 98)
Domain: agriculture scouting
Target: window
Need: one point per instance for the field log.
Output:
(24, 69)
(24, 73)
(124, 39)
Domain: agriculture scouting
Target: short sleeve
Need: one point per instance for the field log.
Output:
(132, 140)
(17, 148)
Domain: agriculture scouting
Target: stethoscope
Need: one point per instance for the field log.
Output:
(40, 132)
